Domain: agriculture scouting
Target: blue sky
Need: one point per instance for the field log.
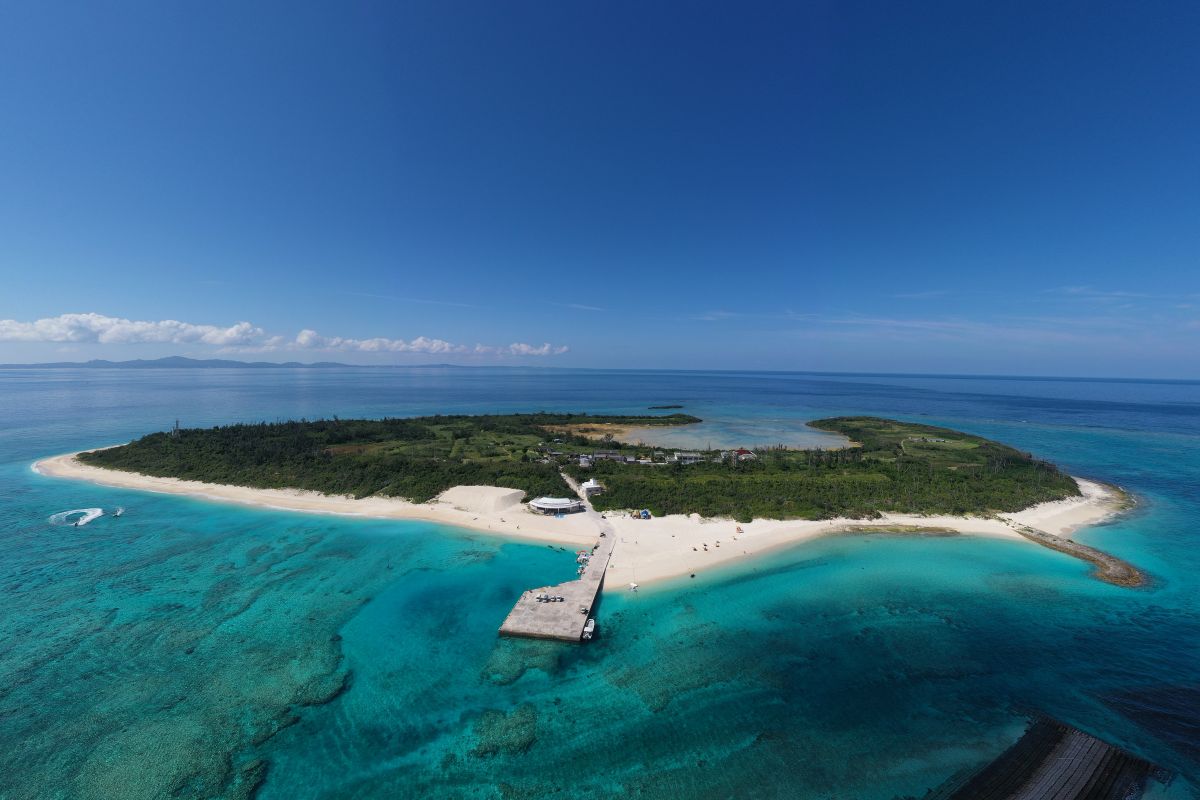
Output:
(927, 187)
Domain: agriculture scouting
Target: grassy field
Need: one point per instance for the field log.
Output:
(896, 466)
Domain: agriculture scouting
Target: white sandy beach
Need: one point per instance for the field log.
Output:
(647, 550)
(674, 546)
(479, 508)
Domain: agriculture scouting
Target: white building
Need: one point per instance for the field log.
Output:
(555, 505)
(591, 486)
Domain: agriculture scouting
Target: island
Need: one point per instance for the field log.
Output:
(672, 513)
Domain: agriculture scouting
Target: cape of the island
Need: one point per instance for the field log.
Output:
(674, 512)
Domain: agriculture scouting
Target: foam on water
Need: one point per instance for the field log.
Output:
(77, 517)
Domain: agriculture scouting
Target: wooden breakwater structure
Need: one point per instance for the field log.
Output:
(1053, 761)
(562, 620)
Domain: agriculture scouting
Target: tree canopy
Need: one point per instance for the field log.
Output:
(890, 467)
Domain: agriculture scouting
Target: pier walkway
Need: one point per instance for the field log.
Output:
(1053, 761)
(564, 621)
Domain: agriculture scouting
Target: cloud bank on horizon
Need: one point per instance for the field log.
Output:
(242, 337)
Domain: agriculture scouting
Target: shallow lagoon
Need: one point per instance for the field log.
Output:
(208, 649)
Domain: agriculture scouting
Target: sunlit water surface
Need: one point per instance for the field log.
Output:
(194, 649)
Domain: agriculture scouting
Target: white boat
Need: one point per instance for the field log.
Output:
(589, 629)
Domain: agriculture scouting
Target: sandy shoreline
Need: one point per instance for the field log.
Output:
(647, 550)
(515, 522)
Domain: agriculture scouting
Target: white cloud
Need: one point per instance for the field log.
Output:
(421, 300)
(522, 349)
(240, 337)
(927, 295)
(311, 340)
(76, 328)
(717, 316)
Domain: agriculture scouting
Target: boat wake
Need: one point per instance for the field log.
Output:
(77, 517)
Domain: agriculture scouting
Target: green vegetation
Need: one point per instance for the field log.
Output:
(412, 458)
(897, 467)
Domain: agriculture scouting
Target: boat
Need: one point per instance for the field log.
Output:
(633, 586)
(120, 510)
(589, 629)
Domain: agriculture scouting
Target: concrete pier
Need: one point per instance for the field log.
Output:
(1053, 761)
(564, 620)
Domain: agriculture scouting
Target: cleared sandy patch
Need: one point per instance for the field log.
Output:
(481, 499)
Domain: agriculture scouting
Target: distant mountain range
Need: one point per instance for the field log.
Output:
(180, 362)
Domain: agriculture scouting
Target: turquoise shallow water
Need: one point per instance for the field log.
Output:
(202, 650)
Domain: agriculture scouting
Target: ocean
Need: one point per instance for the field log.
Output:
(194, 649)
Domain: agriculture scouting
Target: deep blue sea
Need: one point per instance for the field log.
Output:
(193, 649)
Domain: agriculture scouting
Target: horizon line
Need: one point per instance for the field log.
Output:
(127, 363)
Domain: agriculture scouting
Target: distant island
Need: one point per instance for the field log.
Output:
(675, 512)
(663, 408)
